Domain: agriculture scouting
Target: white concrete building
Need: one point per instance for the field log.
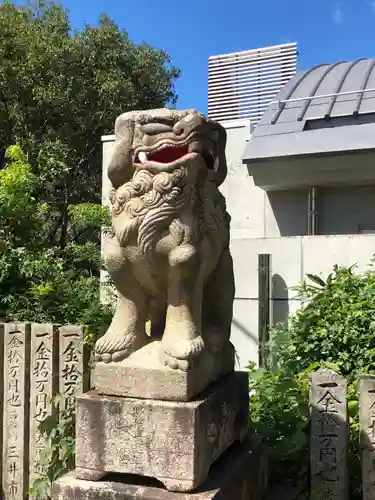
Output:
(302, 188)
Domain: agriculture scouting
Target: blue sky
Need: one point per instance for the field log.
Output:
(192, 30)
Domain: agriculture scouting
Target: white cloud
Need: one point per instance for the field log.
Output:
(338, 16)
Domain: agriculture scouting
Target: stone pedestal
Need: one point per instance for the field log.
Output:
(174, 442)
(240, 474)
(144, 375)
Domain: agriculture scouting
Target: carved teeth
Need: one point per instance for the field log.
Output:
(142, 157)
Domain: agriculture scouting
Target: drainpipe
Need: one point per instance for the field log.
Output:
(312, 215)
(264, 316)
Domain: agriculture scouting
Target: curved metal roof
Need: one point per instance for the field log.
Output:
(326, 96)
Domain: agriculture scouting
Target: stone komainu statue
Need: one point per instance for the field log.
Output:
(169, 255)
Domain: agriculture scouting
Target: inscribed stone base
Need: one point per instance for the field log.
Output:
(240, 474)
(144, 375)
(174, 442)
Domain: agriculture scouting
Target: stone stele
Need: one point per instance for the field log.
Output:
(175, 442)
(241, 474)
(168, 258)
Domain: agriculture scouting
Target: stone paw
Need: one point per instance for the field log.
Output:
(182, 354)
(109, 357)
(114, 348)
(177, 364)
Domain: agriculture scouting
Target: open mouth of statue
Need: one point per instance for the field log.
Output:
(169, 153)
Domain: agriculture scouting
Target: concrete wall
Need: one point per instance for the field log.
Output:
(245, 201)
(255, 213)
(340, 210)
(346, 210)
(276, 223)
(107, 147)
(291, 259)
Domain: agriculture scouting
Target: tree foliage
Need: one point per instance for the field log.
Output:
(38, 281)
(58, 456)
(42, 282)
(335, 329)
(61, 90)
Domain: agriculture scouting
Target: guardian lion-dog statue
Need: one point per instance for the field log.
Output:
(169, 255)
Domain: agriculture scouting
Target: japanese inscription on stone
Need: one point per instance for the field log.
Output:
(43, 385)
(367, 434)
(73, 358)
(15, 480)
(328, 414)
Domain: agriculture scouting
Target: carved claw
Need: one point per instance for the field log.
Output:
(181, 354)
(113, 347)
(183, 348)
(116, 356)
(176, 364)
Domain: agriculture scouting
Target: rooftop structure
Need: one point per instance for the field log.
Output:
(327, 110)
(242, 84)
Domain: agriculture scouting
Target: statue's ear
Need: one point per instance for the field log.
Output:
(120, 168)
(221, 171)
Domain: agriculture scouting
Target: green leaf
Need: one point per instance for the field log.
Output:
(257, 374)
(335, 330)
(40, 488)
(316, 279)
